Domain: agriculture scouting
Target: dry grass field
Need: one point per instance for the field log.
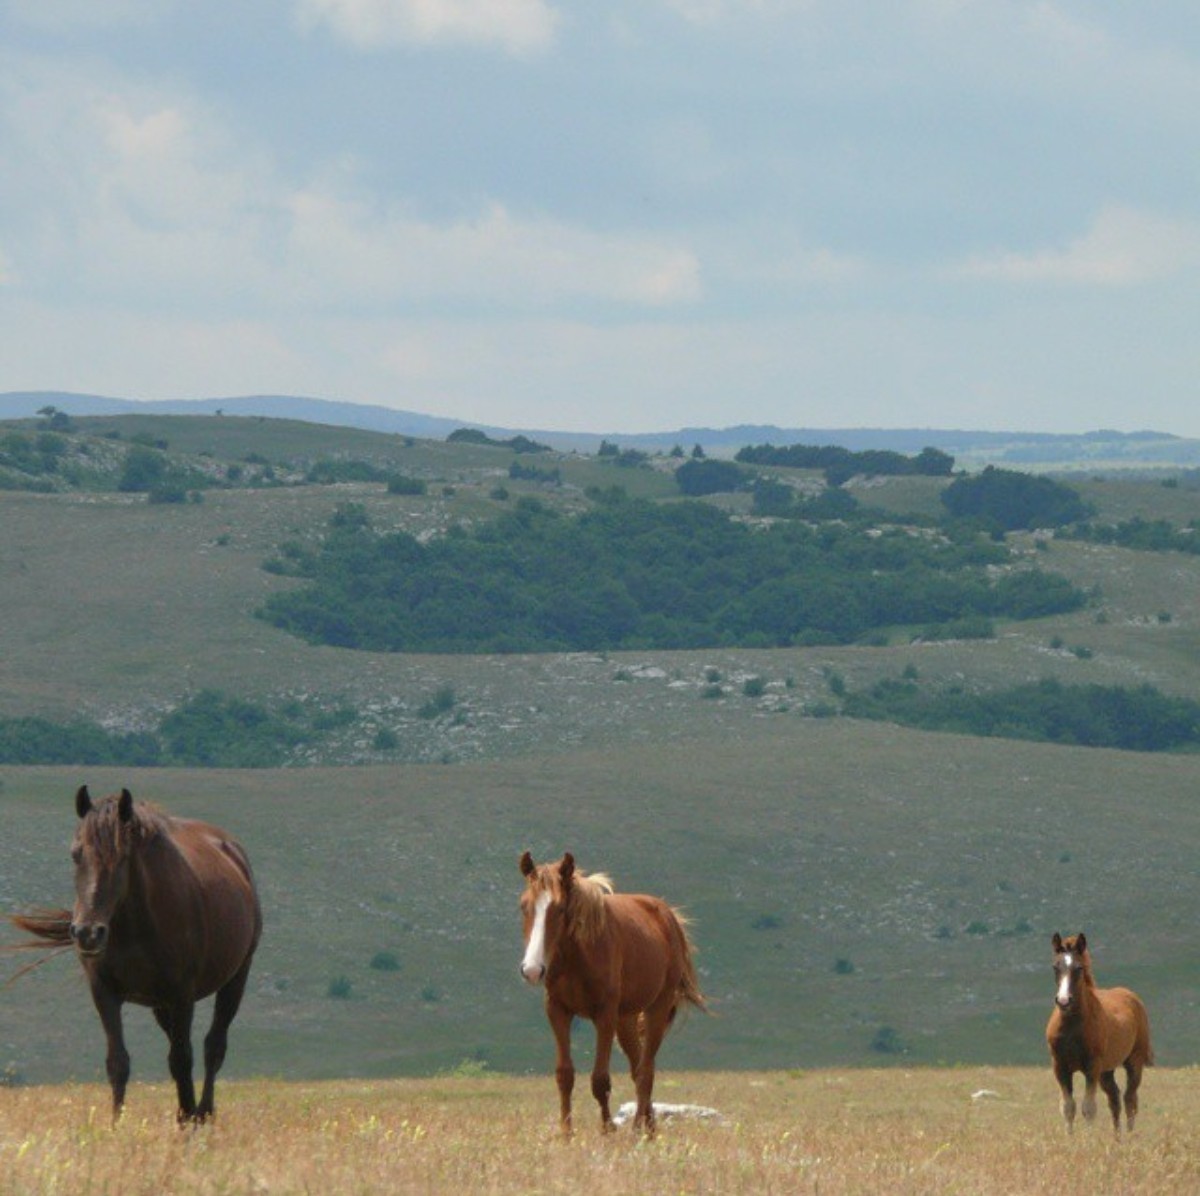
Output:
(966, 1131)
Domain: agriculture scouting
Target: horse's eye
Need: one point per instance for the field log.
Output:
(76, 854)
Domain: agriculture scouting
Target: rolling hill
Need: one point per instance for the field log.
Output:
(862, 894)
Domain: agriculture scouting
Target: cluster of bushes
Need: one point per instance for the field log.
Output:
(841, 464)
(211, 730)
(635, 574)
(534, 473)
(1152, 535)
(1140, 719)
(1006, 500)
(518, 444)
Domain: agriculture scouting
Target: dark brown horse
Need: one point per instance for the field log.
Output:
(621, 960)
(1095, 1031)
(166, 913)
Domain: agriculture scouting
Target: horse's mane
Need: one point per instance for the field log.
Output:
(105, 830)
(588, 911)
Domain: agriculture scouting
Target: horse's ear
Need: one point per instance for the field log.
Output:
(528, 868)
(566, 869)
(1081, 941)
(125, 805)
(1056, 943)
(83, 801)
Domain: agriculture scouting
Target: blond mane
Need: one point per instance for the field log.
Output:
(588, 913)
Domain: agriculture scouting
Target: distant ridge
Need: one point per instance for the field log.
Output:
(970, 448)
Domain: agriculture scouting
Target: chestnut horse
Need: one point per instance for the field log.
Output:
(166, 913)
(621, 960)
(1095, 1031)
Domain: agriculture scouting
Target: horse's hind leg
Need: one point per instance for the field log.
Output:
(606, 1026)
(1133, 1081)
(176, 1024)
(657, 1020)
(225, 1007)
(1108, 1082)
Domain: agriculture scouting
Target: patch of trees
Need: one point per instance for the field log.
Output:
(841, 464)
(1140, 719)
(211, 730)
(1008, 500)
(535, 473)
(518, 444)
(701, 476)
(634, 574)
(1149, 535)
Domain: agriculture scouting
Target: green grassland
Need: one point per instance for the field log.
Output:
(861, 894)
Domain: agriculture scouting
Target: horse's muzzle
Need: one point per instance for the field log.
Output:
(534, 975)
(90, 937)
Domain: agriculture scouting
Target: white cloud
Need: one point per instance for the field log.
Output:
(1123, 247)
(518, 26)
(346, 248)
(165, 209)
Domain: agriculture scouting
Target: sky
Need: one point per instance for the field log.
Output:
(611, 215)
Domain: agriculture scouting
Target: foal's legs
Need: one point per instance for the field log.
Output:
(176, 1023)
(1133, 1080)
(225, 1009)
(116, 1062)
(1066, 1083)
(1090, 1080)
(1109, 1083)
(564, 1071)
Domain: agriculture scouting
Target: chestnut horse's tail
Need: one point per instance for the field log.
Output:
(689, 984)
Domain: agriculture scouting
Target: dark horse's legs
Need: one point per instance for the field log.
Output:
(117, 1060)
(176, 1024)
(225, 1010)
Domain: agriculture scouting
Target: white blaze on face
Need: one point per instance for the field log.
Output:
(533, 966)
(1064, 984)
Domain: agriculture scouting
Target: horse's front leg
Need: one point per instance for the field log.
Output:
(116, 1061)
(1066, 1084)
(1091, 1079)
(606, 1028)
(1109, 1083)
(176, 1023)
(564, 1070)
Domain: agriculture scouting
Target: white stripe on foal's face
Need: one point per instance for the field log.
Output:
(533, 966)
(1063, 996)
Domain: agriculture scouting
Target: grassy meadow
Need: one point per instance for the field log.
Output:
(962, 1131)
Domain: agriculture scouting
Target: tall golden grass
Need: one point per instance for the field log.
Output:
(967, 1131)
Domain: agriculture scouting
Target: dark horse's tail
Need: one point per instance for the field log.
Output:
(51, 930)
(50, 927)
